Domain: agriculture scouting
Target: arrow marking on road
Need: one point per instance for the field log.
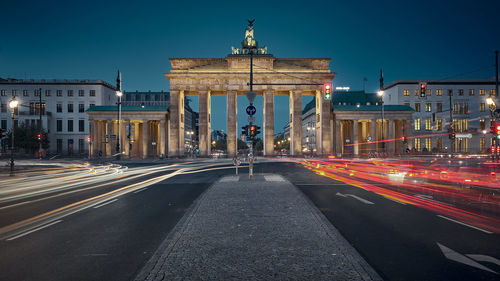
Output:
(462, 223)
(355, 197)
(455, 256)
(484, 258)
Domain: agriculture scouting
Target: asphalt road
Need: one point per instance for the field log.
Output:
(114, 239)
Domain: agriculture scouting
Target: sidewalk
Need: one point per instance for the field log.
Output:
(263, 229)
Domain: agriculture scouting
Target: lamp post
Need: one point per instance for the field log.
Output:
(190, 133)
(13, 105)
(118, 150)
(381, 95)
(493, 106)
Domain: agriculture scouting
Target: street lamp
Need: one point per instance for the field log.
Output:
(119, 94)
(190, 134)
(381, 95)
(13, 105)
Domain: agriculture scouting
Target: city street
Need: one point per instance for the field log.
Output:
(104, 222)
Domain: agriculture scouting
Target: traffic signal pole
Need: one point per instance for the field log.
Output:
(250, 155)
(40, 127)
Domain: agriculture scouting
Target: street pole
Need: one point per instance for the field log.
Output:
(452, 141)
(119, 93)
(40, 127)
(12, 146)
(250, 158)
(381, 86)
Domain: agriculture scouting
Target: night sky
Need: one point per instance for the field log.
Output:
(92, 39)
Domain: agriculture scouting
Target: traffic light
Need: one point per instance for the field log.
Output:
(244, 130)
(404, 139)
(89, 139)
(327, 90)
(39, 136)
(257, 130)
(3, 133)
(497, 130)
(423, 87)
(452, 135)
(253, 130)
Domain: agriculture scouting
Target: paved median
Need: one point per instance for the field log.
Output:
(260, 229)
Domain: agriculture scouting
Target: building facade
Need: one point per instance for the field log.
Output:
(63, 107)
(459, 104)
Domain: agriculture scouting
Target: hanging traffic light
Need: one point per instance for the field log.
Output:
(253, 130)
(327, 90)
(423, 87)
(39, 136)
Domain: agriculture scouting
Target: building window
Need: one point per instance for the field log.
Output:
(417, 124)
(455, 108)
(439, 124)
(81, 93)
(59, 107)
(450, 92)
(428, 92)
(493, 92)
(81, 125)
(481, 92)
(439, 107)
(482, 143)
(3, 93)
(80, 146)
(70, 146)
(92, 104)
(417, 107)
(70, 93)
(416, 144)
(59, 93)
(428, 107)
(439, 144)
(70, 125)
(439, 92)
(59, 146)
(81, 107)
(428, 144)
(428, 124)
(482, 124)
(26, 93)
(4, 107)
(47, 93)
(406, 92)
(416, 92)
(59, 125)
(460, 92)
(92, 93)
(471, 92)
(482, 107)
(70, 107)
(3, 125)
(14, 93)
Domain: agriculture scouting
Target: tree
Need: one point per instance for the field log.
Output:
(258, 145)
(242, 144)
(221, 145)
(25, 137)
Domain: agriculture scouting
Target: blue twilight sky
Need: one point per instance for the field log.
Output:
(92, 39)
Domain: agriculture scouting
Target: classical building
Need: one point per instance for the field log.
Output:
(457, 102)
(63, 106)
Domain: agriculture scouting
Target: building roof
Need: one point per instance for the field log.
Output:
(15, 81)
(354, 97)
(127, 108)
(395, 107)
(476, 81)
(310, 105)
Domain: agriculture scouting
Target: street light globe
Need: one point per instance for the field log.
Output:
(484, 132)
(13, 103)
(490, 101)
(119, 93)
(380, 93)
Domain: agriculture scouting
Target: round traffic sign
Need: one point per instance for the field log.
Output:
(251, 110)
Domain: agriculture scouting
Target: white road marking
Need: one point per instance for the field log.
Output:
(33, 230)
(14, 205)
(393, 200)
(106, 203)
(355, 197)
(462, 223)
(454, 256)
(230, 179)
(142, 189)
(274, 178)
(484, 258)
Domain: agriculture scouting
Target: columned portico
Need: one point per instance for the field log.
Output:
(204, 123)
(232, 123)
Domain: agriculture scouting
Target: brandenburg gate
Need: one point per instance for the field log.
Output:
(230, 76)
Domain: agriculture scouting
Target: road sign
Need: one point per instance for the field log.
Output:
(251, 119)
(251, 96)
(112, 137)
(497, 113)
(251, 110)
(463, 135)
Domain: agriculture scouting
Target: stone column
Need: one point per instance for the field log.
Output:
(374, 134)
(126, 141)
(295, 123)
(268, 124)
(162, 142)
(176, 122)
(323, 136)
(355, 140)
(108, 143)
(390, 136)
(145, 139)
(204, 124)
(232, 124)
(338, 137)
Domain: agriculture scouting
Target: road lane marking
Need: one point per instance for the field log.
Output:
(455, 256)
(230, 179)
(394, 200)
(462, 223)
(33, 230)
(142, 189)
(484, 258)
(355, 197)
(274, 178)
(106, 203)
(15, 205)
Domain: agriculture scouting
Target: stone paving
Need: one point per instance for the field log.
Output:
(260, 229)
